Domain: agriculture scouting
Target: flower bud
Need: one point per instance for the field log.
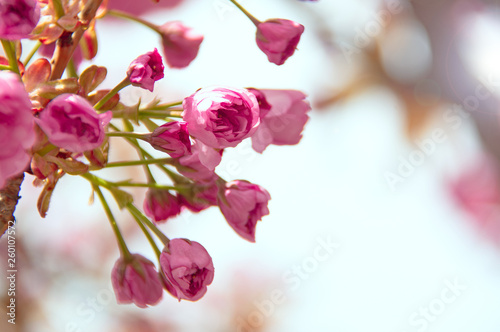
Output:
(71, 123)
(146, 70)
(278, 39)
(172, 138)
(136, 282)
(160, 204)
(187, 269)
(220, 117)
(243, 204)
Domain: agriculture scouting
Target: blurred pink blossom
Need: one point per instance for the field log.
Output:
(16, 126)
(180, 44)
(284, 122)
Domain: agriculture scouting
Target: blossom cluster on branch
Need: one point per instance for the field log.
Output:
(53, 125)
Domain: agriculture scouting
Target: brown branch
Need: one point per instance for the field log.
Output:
(9, 196)
(67, 43)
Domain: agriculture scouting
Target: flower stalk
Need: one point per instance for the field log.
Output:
(250, 16)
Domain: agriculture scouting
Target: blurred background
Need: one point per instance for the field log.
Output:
(385, 218)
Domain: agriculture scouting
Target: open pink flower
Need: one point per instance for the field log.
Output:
(180, 44)
(284, 122)
(146, 70)
(220, 117)
(71, 123)
(18, 18)
(160, 204)
(278, 39)
(243, 204)
(172, 138)
(16, 126)
(136, 282)
(187, 269)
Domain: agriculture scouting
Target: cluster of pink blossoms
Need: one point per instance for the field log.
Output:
(52, 126)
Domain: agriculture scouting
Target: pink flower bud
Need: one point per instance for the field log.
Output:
(18, 18)
(172, 138)
(146, 70)
(200, 164)
(71, 123)
(278, 39)
(180, 44)
(200, 197)
(16, 126)
(284, 122)
(136, 282)
(160, 204)
(243, 204)
(221, 117)
(187, 269)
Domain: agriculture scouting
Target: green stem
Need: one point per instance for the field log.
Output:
(148, 236)
(111, 93)
(128, 135)
(173, 114)
(71, 69)
(121, 241)
(151, 125)
(31, 53)
(144, 185)
(172, 175)
(135, 211)
(119, 13)
(130, 127)
(4, 67)
(58, 8)
(10, 51)
(250, 16)
(46, 149)
(140, 162)
(97, 180)
(161, 107)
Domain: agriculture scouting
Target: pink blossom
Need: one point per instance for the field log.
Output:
(477, 191)
(136, 282)
(160, 204)
(180, 44)
(146, 70)
(139, 7)
(16, 126)
(284, 122)
(71, 123)
(243, 204)
(200, 164)
(187, 269)
(200, 197)
(18, 18)
(172, 138)
(221, 117)
(278, 39)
